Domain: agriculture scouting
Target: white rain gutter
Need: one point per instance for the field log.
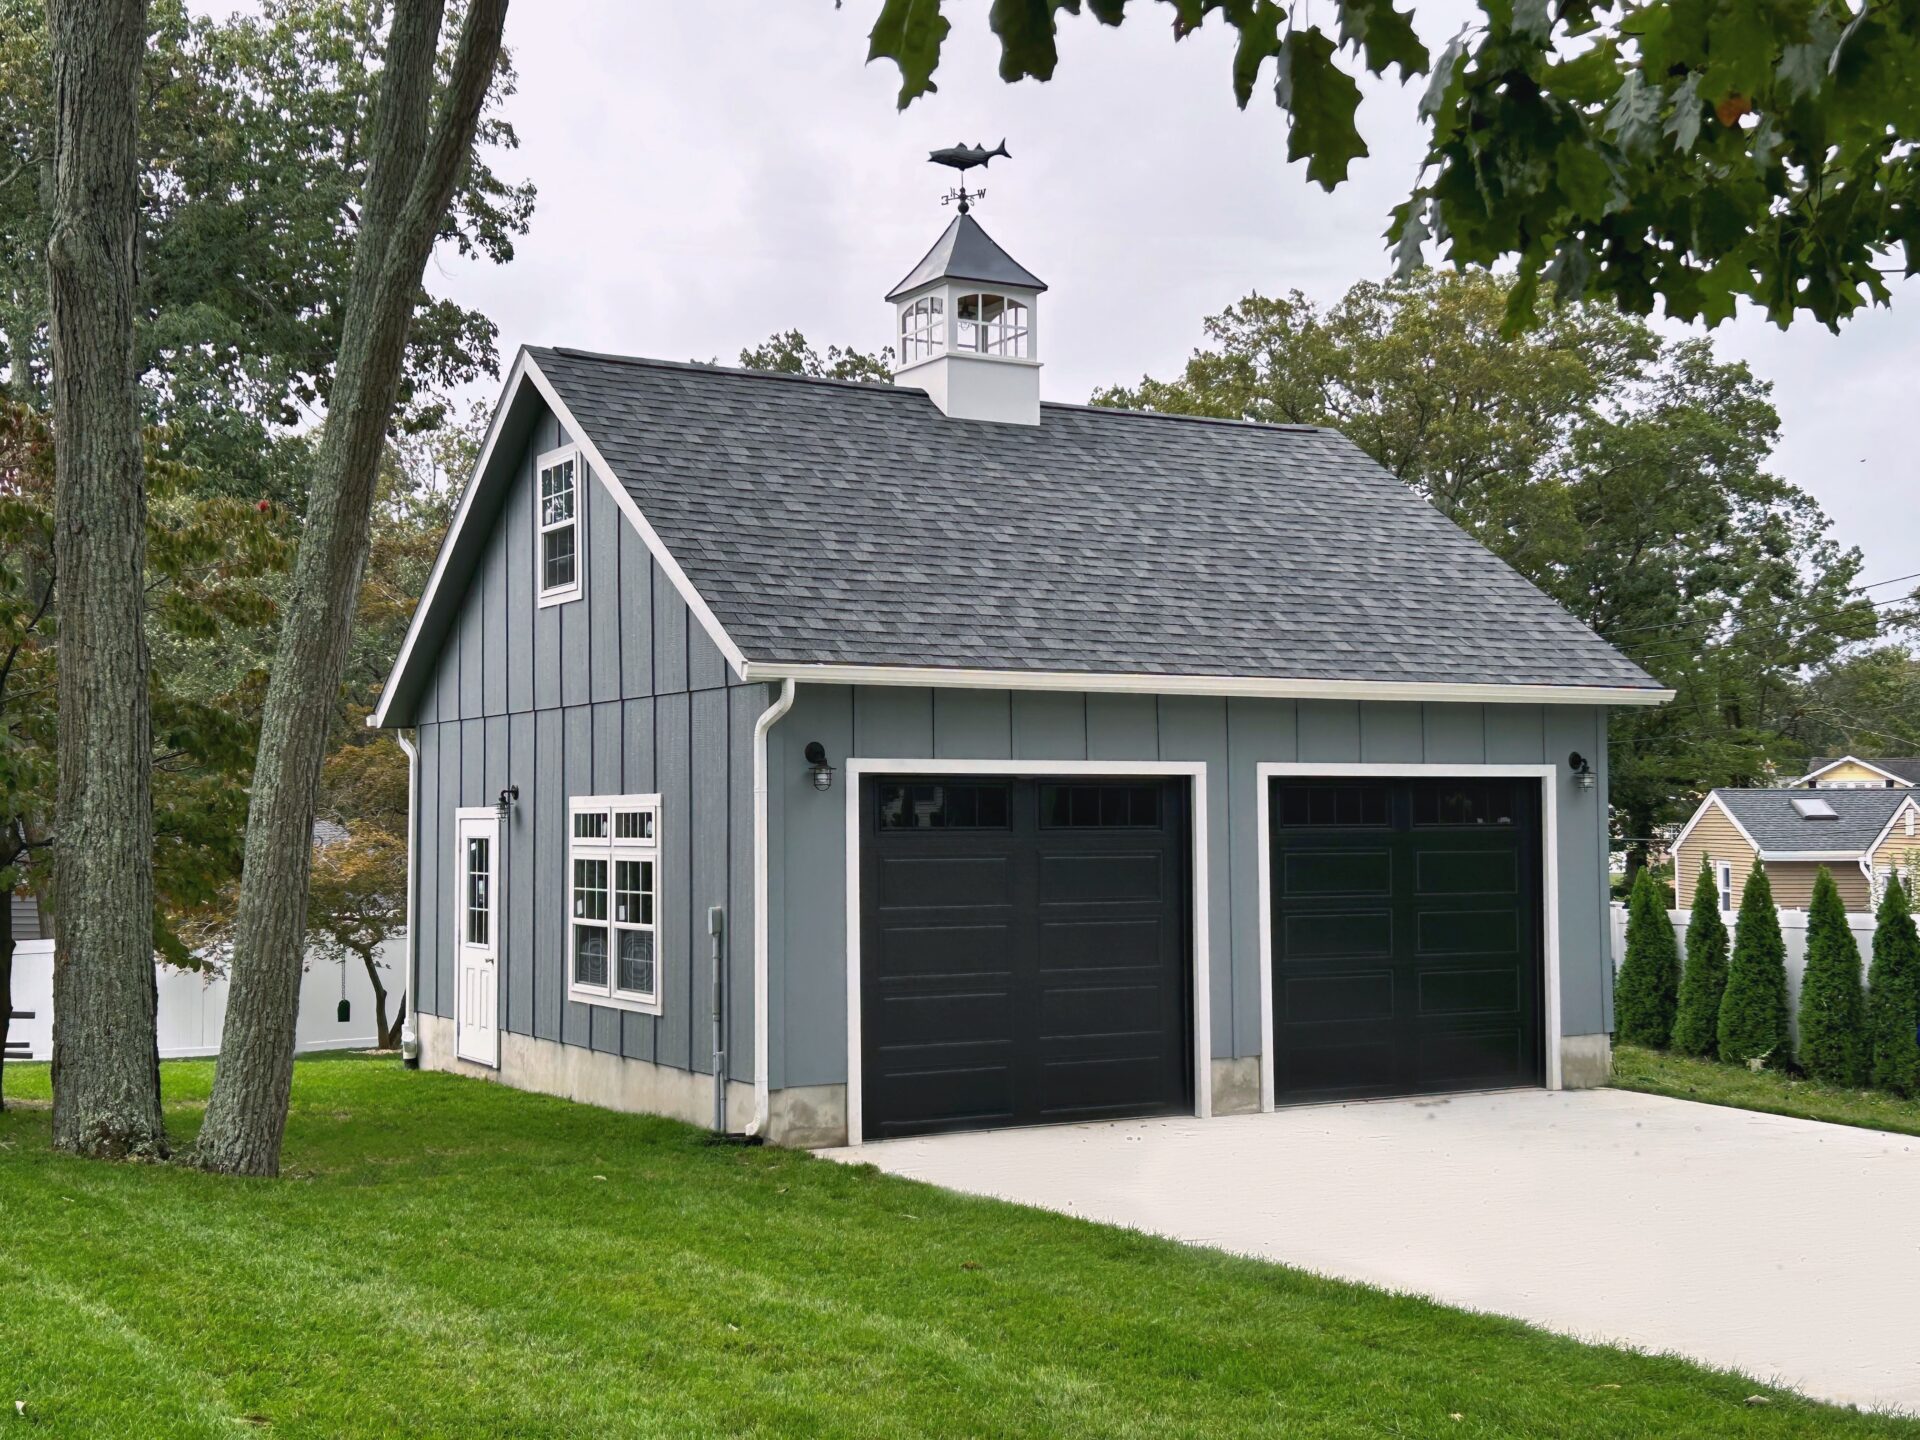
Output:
(762, 929)
(409, 1031)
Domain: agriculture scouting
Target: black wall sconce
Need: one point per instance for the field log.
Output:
(509, 797)
(817, 761)
(1583, 776)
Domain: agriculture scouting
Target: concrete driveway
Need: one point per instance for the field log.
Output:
(1782, 1248)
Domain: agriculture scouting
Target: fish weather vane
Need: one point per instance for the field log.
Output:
(963, 158)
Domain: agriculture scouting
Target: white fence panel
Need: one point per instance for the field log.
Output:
(193, 1007)
(1793, 929)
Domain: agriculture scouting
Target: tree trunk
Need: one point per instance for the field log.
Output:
(6, 987)
(106, 1073)
(386, 1037)
(409, 185)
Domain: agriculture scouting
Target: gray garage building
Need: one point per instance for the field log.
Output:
(871, 760)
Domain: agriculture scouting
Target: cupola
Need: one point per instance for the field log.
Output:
(966, 331)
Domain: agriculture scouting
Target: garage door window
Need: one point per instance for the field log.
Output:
(1465, 802)
(1104, 807)
(964, 806)
(1343, 805)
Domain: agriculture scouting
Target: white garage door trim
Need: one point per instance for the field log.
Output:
(1193, 771)
(1547, 775)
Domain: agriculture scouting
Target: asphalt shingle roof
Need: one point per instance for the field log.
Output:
(849, 523)
(1769, 817)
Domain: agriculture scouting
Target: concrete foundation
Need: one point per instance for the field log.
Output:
(808, 1117)
(1236, 1086)
(1586, 1061)
(590, 1076)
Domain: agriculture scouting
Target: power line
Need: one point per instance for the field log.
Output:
(1894, 581)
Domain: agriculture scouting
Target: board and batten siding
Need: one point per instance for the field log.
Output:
(807, 897)
(620, 692)
(1716, 838)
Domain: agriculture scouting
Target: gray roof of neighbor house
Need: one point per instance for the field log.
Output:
(1907, 767)
(1770, 818)
(966, 252)
(845, 523)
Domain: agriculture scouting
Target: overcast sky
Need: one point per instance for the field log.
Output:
(711, 173)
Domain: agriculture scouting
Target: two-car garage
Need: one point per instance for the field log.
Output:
(1026, 943)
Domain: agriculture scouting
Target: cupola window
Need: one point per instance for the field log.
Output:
(991, 325)
(922, 329)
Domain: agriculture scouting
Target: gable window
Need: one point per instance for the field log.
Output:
(1723, 882)
(557, 549)
(613, 888)
(991, 325)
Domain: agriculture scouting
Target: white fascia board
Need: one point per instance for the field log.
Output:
(525, 371)
(1808, 856)
(378, 719)
(1250, 686)
(696, 602)
(1900, 782)
(1908, 804)
(1713, 800)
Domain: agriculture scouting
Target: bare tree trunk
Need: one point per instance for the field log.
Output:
(386, 1037)
(409, 185)
(6, 986)
(106, 1073)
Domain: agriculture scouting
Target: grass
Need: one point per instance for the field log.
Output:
(449, 1258)
(1768, 1090)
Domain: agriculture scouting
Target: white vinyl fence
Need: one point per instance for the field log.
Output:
(1793, 929)
(194, 1006)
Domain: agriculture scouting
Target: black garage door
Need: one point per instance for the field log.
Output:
(1406, 936)
(1023, 952)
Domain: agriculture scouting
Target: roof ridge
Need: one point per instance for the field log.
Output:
(702, 367)
(1131, 413)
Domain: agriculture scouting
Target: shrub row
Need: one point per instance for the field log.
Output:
(1734, 1007)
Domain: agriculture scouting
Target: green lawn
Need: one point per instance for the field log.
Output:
(1715, 1084)
(449, 1258)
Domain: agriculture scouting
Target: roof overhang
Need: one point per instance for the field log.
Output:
(1253, 686)
(1900, 781)
(526, 389)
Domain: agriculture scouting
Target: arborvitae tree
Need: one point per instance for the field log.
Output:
(1647, 991)
(1696, 1029)
(1893, 995)
(1833, 1035)
(1753, 1012)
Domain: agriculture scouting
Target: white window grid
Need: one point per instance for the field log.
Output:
(613, 901)
(989, 324)
(922, 329)
(559, 557)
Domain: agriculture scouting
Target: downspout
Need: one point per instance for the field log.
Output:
(409, 1030)
(762, 929)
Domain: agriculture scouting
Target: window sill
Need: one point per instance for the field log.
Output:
(613, 1002)
(559, 597)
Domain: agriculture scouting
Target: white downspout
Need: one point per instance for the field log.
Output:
(410, 1031)
(762, 929)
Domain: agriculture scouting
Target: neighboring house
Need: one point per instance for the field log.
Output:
(1861, 836)
(1849, 772)
(1018, 762)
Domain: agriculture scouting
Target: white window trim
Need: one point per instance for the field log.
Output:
(612, 850)
(561, 594)
(1723, 885)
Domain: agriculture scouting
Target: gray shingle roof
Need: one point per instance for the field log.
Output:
(1907, 767)
(845, 523)
(966, 252)
(1769, 817)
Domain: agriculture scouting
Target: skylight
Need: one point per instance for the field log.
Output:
(1811, 808)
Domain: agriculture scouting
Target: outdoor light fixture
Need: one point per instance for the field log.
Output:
(1583, 775)
(508, 798)
(822, 772)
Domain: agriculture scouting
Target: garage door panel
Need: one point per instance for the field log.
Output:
(1435, 983)
(935, 951)
(1340, 995)
(1101, 877)
(1032, 971)
(941, 881)
(1468, 932)
(1336, 934)
(1309, 873)
(1467, 872)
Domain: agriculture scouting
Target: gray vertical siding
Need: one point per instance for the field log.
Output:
(808, 880)
(621, 692)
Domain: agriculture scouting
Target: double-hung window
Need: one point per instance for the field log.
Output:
(558, 552)
(613, 895)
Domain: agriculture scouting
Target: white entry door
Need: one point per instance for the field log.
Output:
(476, 919)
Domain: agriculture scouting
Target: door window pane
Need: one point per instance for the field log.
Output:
(479, 902)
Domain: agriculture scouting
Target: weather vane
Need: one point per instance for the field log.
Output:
(963, 158)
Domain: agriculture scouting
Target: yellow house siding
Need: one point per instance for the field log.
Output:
(1792, 882)
(1716, 838)
(1899, 848)
(1852, 774)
